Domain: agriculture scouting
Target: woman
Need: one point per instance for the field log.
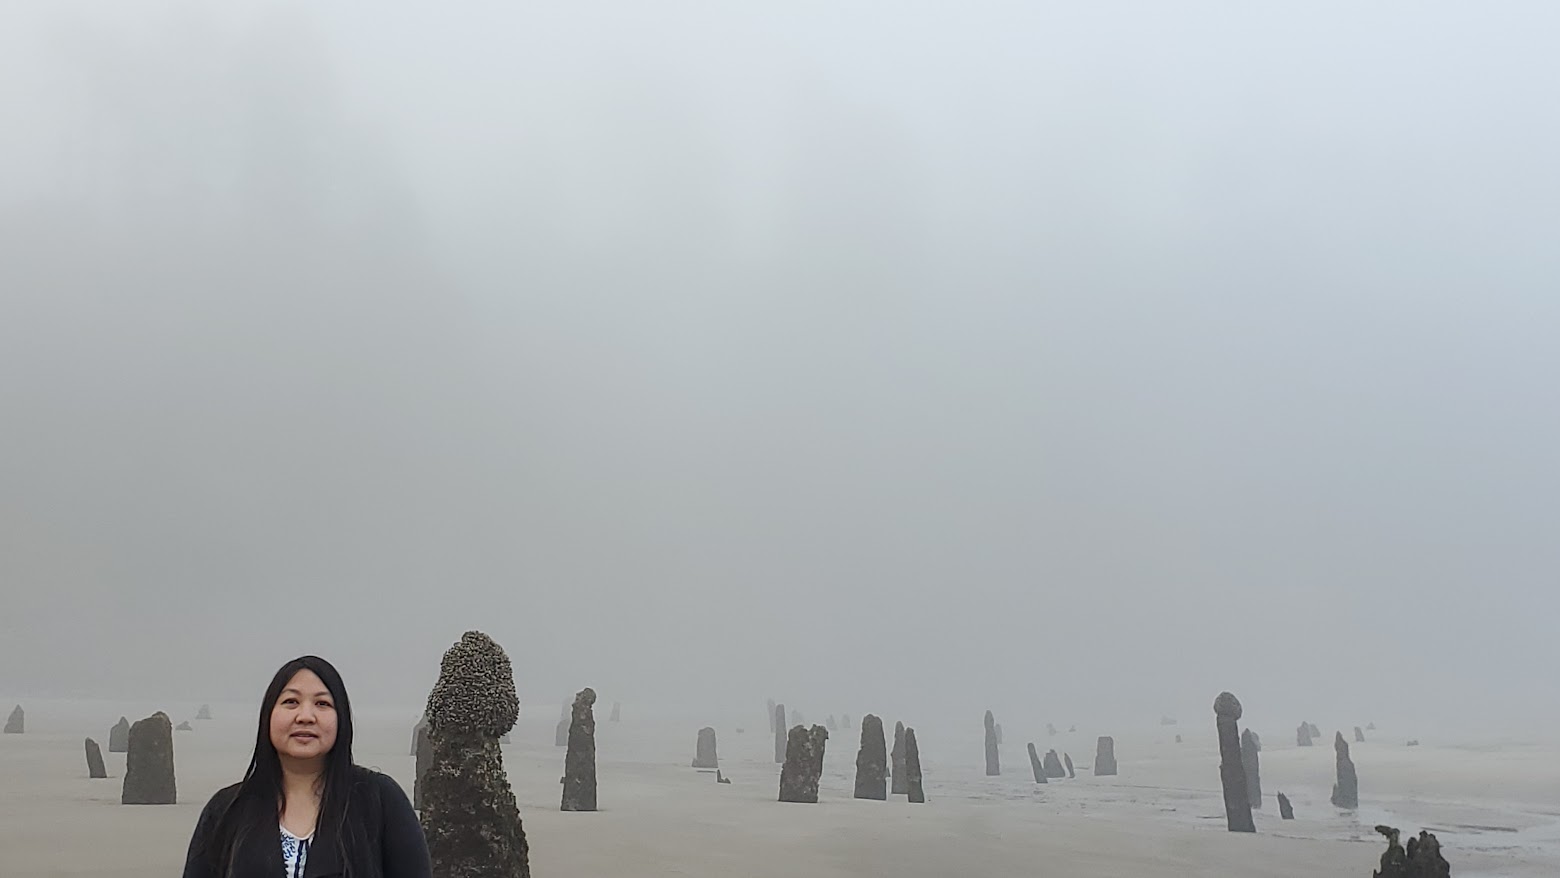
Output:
(303, 809)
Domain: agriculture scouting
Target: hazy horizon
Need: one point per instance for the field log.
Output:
(1015, 356)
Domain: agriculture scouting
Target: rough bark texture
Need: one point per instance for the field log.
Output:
(95, 767)
(1105, 757)
(16, 723)
(803, 764)
(993, 761)
(1251, 764)
(149, 763)
(872, 761)
(119, 737)
(470, 818)
(1346, 792)
(469, 813)
(1422, 858)
(704, 755)
(1286, 811)
(778, 724)
(1035, 765)
(915, 790)
(1232, 773)
(901, 782)
(579, 766)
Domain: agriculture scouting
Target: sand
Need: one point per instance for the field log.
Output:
(1494, 804)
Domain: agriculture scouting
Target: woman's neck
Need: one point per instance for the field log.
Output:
(302, 778)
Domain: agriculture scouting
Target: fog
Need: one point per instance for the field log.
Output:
(1074, 360)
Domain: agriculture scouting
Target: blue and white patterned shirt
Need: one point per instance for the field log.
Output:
(295, 852)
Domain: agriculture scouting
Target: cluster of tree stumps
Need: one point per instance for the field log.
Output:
(1239, 767)
(1420, 859)
(473, 824)
(882, 770)
(148, 748)
(802, 769)
(1049, 767)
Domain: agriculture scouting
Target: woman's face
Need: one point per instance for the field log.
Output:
(303, 719)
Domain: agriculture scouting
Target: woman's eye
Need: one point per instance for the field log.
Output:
(289, 702)
(324, 704)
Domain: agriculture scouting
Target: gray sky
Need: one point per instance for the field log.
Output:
(1014, 355)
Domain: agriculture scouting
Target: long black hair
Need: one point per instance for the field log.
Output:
(258, 802)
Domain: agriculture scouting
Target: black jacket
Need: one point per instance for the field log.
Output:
(381, 815)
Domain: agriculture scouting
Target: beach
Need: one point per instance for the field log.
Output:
(1495, 805)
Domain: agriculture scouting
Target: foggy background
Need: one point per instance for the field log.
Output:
(867, 356)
